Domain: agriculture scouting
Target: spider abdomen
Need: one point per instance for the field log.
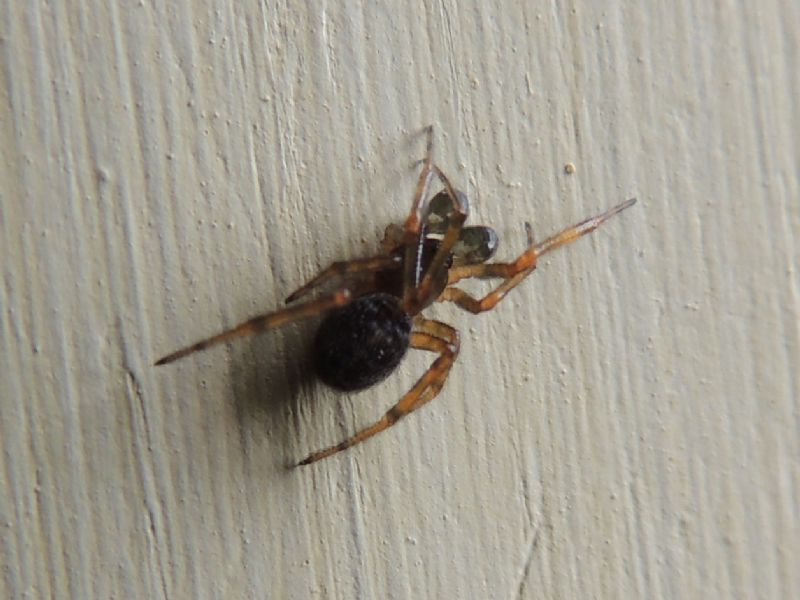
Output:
(360, 344)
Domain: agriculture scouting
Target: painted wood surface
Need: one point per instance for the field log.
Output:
(624, 425)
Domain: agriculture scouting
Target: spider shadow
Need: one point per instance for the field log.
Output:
(270, 377)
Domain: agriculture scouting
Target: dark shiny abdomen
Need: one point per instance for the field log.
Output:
(359, 344)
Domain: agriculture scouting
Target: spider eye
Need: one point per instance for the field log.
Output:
(475, 245)
(440, 208)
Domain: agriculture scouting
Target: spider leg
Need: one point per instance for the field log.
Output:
(489, 301)
(339, 270)
(414, 220)
(427, 335)
(416, 298)
(268, 321)
(416, 290)
(514, 272)
(412, 227)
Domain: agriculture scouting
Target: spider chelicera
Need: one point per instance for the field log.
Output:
(373, 305)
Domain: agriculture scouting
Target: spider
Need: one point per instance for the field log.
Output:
(373, 305)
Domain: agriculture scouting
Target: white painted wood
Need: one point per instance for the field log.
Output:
(624, 425)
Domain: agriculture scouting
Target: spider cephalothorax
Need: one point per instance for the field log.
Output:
(373, 306)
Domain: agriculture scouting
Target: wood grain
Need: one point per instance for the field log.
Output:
(624, 425)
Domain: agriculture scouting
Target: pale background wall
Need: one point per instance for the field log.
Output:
(625, 425)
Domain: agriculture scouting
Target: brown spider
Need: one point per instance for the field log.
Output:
(375, 303)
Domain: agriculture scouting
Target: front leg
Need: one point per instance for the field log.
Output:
(514, 272)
